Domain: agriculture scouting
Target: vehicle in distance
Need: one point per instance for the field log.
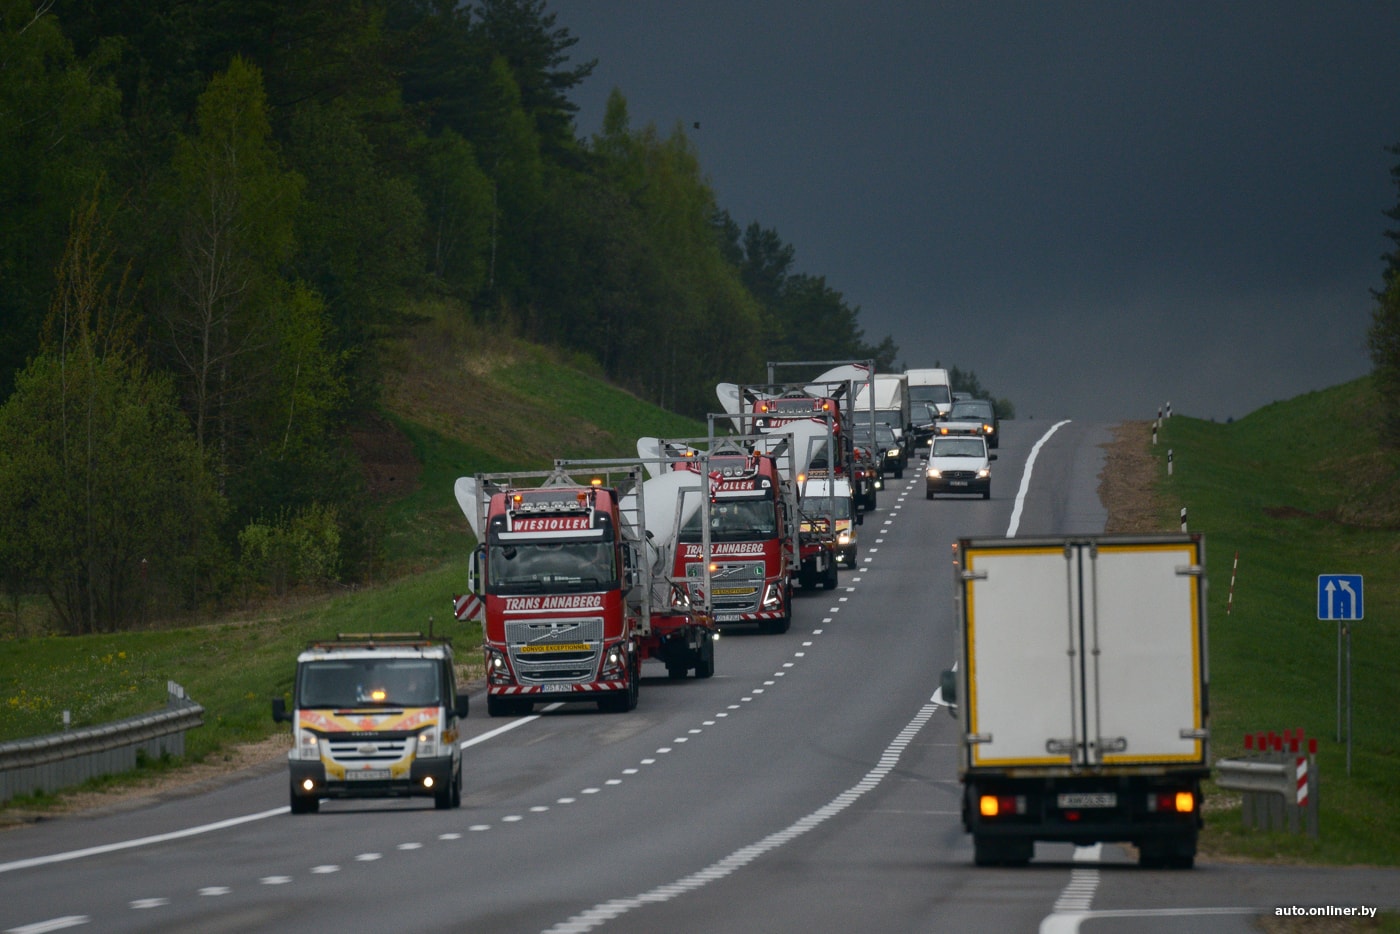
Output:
(891, 453)
(959, 464)
(973, 417)
(374, 716)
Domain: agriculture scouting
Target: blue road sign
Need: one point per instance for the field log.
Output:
(1339, 596)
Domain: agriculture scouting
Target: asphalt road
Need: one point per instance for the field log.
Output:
(809, 786)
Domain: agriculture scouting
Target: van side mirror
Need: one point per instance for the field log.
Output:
(279, 711)
(991, 457)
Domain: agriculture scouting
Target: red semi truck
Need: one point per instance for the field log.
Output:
(745, 536)
(571, 590)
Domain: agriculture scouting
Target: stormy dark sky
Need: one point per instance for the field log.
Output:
(1098, 207)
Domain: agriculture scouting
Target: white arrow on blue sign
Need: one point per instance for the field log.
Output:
(1339, 596)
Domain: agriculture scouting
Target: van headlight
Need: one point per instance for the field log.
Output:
(984, 473)
(934, 473)
(306, 745)
(429, 743)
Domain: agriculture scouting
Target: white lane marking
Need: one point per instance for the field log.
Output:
(143, 841)
(54, 924)
(212, 891)
(607, 911)
(1072, 906)
(1069, 923)
(1026, 479)
(275, 880)
(139, 904)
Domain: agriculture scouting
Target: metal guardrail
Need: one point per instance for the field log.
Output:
(1280, 790)
(61, 760)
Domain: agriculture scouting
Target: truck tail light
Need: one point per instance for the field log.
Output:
(1172, 802)
(1001, 805)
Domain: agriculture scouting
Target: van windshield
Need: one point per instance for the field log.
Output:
(369, 682)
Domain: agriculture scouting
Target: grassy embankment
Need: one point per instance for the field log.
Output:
(501, 407)
(1297, 489)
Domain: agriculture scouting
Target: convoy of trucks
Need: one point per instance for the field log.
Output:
(1080, 683)
(1081, 693)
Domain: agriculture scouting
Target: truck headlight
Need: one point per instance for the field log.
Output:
(772, 597)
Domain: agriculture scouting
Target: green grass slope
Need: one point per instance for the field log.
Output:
(1297, 489)
(458, 404)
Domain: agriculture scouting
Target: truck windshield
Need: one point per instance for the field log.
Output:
(550, 567)
(369, 682)
(734, 520)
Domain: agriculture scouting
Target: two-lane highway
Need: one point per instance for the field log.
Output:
(810, 785)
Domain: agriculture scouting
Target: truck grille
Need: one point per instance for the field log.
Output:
(738, 587)
(532, 668)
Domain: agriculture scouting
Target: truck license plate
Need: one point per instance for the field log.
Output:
(557, 688)
(1090, 800)
(726, 617)
(366, 775)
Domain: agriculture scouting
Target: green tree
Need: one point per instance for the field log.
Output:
(233, 232)
(527, 40)
(1383, 341)
(105, 503)
(58, 118)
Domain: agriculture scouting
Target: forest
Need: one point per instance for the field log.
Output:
(214, 214)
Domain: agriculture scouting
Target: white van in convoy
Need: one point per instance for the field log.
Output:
(928, 388)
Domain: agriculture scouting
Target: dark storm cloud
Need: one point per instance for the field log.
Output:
(1095, 206)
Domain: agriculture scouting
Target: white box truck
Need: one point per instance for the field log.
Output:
(1081, 694)
(930, 398)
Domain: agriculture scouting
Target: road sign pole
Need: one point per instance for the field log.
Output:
(1348, 632)
(1339, 681)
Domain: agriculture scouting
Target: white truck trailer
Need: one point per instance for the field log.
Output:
(1081, 693)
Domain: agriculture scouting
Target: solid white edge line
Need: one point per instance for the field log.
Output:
(1026, 479)
(143, 841)
(219, 825)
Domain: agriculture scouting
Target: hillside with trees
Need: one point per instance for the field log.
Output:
(220, 218)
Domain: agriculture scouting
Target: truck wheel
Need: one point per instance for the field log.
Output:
(677, 670)
(778, 626)
(807, 579)
(705, 667)
(497, 706)
(304, 804)
(899, 473)
(829, 578)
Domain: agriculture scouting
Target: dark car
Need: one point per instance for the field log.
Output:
(972, 417)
